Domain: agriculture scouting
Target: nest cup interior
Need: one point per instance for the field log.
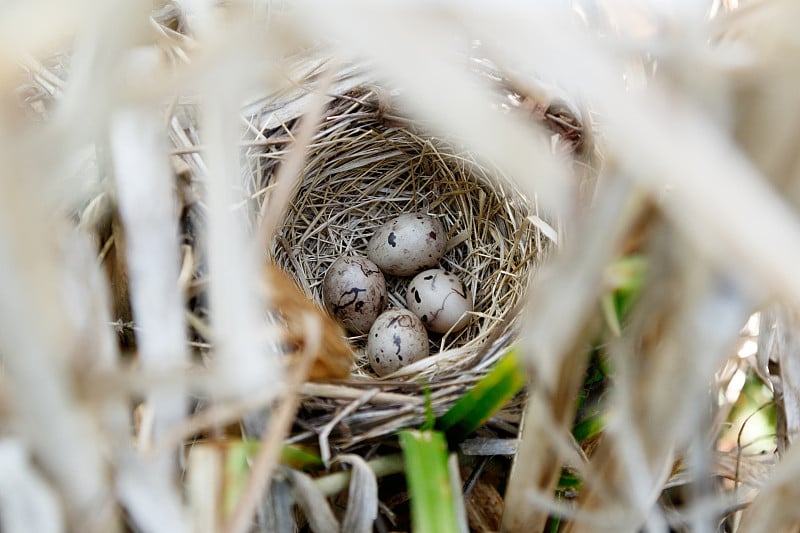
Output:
(362, 171)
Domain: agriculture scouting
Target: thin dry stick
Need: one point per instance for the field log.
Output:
(324, 446)
(341, 392)
(275, 431)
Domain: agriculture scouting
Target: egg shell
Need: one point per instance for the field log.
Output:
(440, 299)
(354, 291)
(396, 339)
(408, 244)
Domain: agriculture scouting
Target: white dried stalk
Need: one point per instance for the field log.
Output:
(147, 207)
(145, 192)
(653, 421)
(204, 476)
(27, 503)
(362, 498)
(567, 290)
(314, 503)
(414, 48)
(711, 185)
(147, 488)
(96, 349)
(245, 358)
(55, 24)
(456, 486)
(36, 347)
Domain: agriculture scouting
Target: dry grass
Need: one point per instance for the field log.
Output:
(145, 158)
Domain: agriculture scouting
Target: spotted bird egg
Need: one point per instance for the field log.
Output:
(408, 244)
(354, 291)
(440, 300)
(396, 339)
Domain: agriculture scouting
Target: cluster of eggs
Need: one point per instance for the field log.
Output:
(354, 291)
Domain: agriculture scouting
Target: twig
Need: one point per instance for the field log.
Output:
(324, 446)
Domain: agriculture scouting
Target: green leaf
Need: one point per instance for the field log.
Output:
(491, 393)
(428, 478)
(554, 524)
(236, 471)
(611, 314)
(430, 419)
(589, 427)
(238, 455)
(624, 278)
(300, 458)
(626, 274)
(569, 480)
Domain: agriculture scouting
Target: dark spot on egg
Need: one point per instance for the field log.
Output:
(424, 318)
(432, 235)
(392, 240)
(416, 296)
(398, 342)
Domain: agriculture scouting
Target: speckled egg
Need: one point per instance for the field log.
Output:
(440, 300)
(354, 291)
(408, 244)
(396, 339)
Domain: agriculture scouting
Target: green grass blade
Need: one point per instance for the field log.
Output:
(427, 475)
(235, 473)
(625, 279)
(627, 273)
(430, 419)
(589, 427)
(297, 457)
(237, 467)
(484, 399)
(300, 459)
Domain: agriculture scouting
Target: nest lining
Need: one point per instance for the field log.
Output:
(362, 171)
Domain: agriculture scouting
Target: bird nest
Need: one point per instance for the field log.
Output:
(363, 168)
